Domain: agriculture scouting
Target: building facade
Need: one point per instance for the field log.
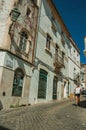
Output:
(73, 66)
(35, 53)
(17, 43)
(83, 76)
(50, 75)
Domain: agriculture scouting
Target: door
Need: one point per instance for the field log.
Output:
(55, 88)
(42, 84)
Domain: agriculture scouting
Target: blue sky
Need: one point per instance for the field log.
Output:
(73, 13)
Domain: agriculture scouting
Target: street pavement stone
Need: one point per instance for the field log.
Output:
(58, 115)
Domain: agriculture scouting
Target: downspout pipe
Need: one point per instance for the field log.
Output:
(38, 21)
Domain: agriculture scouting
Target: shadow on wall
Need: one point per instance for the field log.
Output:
(1, 106)
(4, 128)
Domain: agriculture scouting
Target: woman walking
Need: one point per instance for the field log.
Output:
(77, 92)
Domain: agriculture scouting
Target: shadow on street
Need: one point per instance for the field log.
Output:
(4, 128)
(82, 103)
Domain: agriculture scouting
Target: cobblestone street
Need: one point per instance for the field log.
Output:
(60, 115)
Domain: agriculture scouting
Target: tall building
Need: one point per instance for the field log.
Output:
(50, 76)
(73, 66)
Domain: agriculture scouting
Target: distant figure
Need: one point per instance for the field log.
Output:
(77, 92)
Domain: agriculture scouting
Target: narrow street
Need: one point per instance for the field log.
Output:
(61, 115)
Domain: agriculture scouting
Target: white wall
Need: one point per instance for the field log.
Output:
(73, 62)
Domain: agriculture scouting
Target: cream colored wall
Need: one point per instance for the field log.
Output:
(6, 84)
(73, 62)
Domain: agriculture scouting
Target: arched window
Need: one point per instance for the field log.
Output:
(18, 83)
(23, 40)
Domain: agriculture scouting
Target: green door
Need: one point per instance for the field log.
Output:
(55, 88)
(42, 84)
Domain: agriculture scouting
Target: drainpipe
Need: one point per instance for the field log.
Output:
(37, 29)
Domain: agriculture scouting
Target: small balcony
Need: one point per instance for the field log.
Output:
(77, 77)
(58, 61)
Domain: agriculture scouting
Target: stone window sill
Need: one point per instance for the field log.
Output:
(48, 52)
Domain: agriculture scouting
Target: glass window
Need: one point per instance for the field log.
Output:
(28, 13)
(23, 41)
(18, 83)
(48, 41)
(56, 48)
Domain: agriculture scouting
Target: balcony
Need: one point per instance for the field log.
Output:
(77, 77)
(58, 61)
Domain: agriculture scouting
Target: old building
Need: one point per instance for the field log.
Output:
(17, 43)
(50, 75)
(73, 66)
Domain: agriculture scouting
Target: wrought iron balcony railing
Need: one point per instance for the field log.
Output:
(77, 77)
(58, 61)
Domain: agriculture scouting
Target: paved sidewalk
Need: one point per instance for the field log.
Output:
(58, 115)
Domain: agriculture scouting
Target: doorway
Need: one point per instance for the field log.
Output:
(55, 80)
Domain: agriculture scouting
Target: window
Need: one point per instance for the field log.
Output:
(34, 1)
(42, 84)
(28, 13)
(20, 1)
(54, 28)
(63, 54)
(18, 83)
(63, 42)
(23, 41)
(56, 48)
(82, 76)
(74, 73)
(48, 41)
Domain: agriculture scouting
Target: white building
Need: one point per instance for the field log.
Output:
(50, 75)
(73, 66)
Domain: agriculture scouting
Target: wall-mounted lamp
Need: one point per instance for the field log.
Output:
(85, 46)
(14, 14)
